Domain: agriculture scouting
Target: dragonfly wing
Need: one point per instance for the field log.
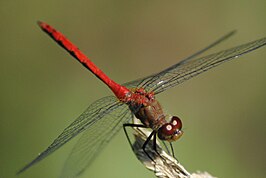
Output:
(138, 82)
(93, 114)
(176, 75)
(93, 140)
(187, 69)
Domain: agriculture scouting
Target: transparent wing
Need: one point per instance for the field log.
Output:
(135, 83)
(187, 69)
(93, 140)
(91, 116)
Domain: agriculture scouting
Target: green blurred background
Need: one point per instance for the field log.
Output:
(43, 89)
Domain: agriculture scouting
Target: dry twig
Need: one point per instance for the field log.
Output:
(164, 165)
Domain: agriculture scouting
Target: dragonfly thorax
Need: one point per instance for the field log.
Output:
(146, 108)
(150, 114)
(149, 111)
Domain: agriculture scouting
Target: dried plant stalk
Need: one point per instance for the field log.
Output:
(164, 165)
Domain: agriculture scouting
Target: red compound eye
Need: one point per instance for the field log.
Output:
(171, 131)
(166, 131)
(176, 122)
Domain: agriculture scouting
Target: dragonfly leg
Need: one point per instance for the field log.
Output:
(145, 143)
(144, 146)
(155, 146)
(166, 148)
(172, 150)
(131, 125)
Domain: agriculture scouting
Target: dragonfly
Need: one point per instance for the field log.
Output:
(102, 120)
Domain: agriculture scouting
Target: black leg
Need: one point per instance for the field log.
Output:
(166, 147)
(147, 140)
(153, 134)
(131, 125)
(145, 144)
(155, 147)
(172, 150)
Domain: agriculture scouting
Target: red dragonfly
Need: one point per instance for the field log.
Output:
(106, 116)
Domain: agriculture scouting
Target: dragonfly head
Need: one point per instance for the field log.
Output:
(171, 131)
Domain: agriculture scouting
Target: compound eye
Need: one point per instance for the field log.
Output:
(171, 131)
(176, 123)
(166, 131)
